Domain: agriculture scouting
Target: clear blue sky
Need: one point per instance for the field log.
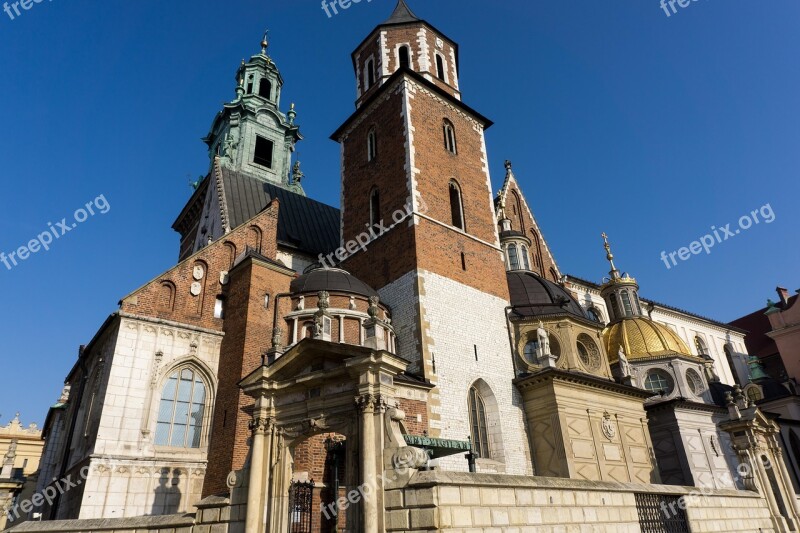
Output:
(617, 118)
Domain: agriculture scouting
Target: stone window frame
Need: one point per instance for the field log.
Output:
(209, 379)
(594, 358)
(664, 373)
(493, 422)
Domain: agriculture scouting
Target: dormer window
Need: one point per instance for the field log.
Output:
(265, 89)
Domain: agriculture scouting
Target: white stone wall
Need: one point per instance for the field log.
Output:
(460, 320)
(129, 476)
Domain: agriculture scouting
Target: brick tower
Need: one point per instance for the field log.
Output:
(412, 146)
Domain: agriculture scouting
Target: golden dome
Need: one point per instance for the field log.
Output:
(641, 338)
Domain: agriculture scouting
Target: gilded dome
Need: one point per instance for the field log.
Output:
(642, 338)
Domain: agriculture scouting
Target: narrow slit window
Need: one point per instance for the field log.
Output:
(456, 206)
(374, 207)
(440, 67)
(372, 145)
(449, 137)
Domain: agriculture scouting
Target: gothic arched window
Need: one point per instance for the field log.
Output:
(614, 305)
(449, 137)
(456, 206)
(372, 145)
(405, 60)
(374, 207)
(182, 410)
(477, 423)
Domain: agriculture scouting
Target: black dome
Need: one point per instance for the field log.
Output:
(331, 280)
(532, 295)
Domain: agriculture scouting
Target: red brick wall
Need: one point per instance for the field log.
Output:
(412, 408)
(523, 220)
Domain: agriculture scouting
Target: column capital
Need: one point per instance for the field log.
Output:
(261, 425)
(366, 403)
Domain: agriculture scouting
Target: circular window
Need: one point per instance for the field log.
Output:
(531, 352)
(695, 382)
(659, 381)
(588, 352)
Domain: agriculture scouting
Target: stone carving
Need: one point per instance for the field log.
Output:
(261, 425)
(301, 303)
(372, 311)
(324, 300)
(409, 457)
(195, 289)
(608, 427)
(352, 305)
(318, 329)
(366, 403)
(235, 480)
(543, 347)
(624, 365)
(229, 146)
(197, 272)
(277, 334)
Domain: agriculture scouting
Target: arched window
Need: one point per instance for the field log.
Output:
(626, 303)
(403, 53)
(440, 72)
(167, 296)
(513, 257)
(369, 74)
(477, 423)
(700, 345)
(456, 207)
(182, 410)
(265, 89)
(374, 207)
(372, 145)
(754, 394)
(614, 305)
(695, 382)
(595, 314)
(219, 307)
(250, 82)
(523, 252)
(637, 303)
(449, 137)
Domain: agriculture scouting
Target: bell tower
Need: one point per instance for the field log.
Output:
(251, 134)
(416, 183)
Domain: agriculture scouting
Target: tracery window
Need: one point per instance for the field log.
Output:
(182, 410)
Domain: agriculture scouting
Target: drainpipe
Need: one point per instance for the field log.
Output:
(73, 423)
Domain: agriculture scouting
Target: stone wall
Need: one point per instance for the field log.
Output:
(459, 502)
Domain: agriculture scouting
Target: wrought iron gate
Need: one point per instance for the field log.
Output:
(660, 513)
(301, 496)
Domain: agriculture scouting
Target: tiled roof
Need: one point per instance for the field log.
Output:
(305, 224)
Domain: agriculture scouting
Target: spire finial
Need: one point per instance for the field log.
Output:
(265, 43)
(614, 272)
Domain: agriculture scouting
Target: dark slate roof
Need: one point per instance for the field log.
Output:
(305, 224)
(532, 295)
(331, 280)
(402, 14)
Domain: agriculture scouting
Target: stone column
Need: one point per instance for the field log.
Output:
(260, 426)
(369, 474)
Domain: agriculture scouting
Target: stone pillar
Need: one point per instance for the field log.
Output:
(260, 426)
(369, 473)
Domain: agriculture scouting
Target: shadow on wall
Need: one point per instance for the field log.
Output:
(168, 493)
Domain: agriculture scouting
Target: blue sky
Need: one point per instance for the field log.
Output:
(617, 118)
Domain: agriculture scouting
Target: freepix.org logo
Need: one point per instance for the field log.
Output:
(12, 9)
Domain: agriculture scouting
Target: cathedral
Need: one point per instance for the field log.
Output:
(412, 360)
